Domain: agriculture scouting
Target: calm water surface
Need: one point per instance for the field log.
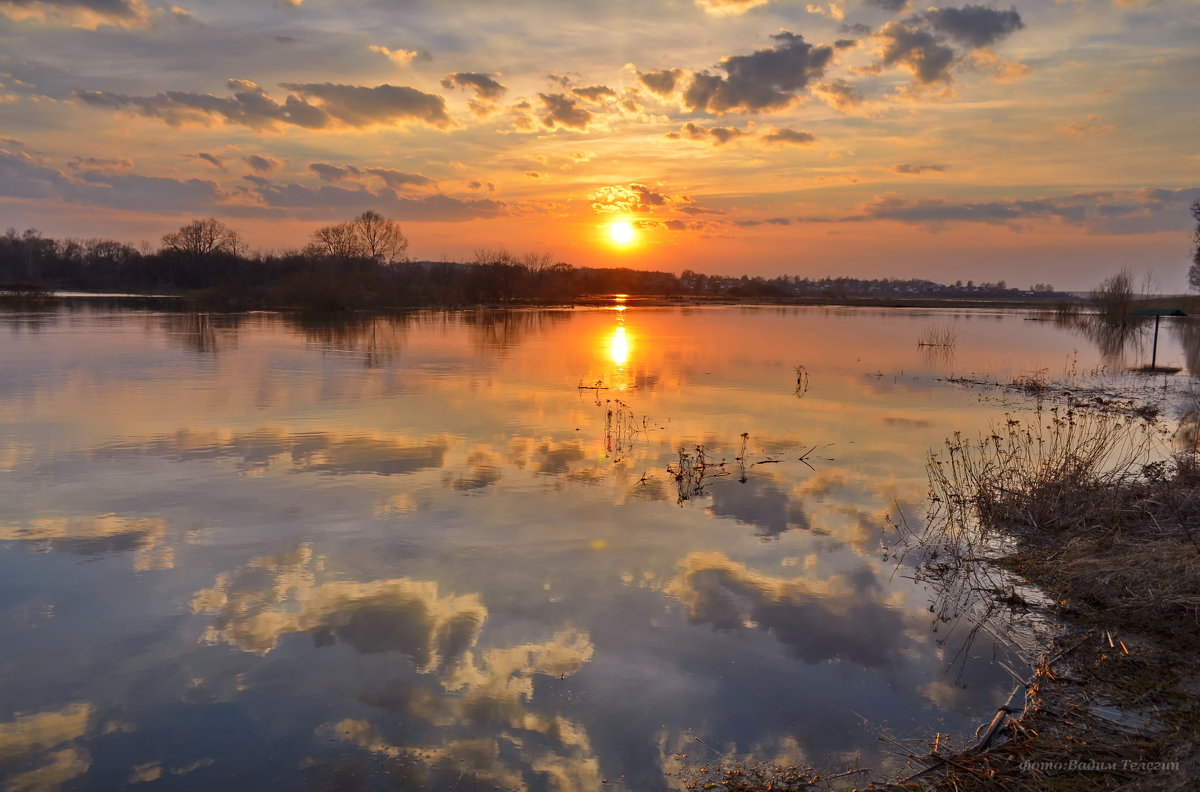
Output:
(261, 552)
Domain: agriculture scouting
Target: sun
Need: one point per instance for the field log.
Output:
(622, 233)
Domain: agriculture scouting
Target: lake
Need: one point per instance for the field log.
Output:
(528, 549)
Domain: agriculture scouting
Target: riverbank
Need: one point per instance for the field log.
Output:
(1075, 505)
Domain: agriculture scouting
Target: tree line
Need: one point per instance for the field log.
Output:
(363, 263)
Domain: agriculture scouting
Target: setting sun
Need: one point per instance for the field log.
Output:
(622, 233)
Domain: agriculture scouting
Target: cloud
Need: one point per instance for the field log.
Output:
(635, 198)
(1147, 210)
(310, 105)
(1090, 126)
(895, 6)
(779, 221)
(729, 7)
(919, 167)
(768, 79)
(261, 163)
(395, 179)
(717, 135)
(975, 26)
(921, 43)
(794, 137)
(339, 201)
(662, 82)
(561, 110)
(89, 14)
(99, 163)
(212, 159)
(840, 95)
(400, 57)
(484, 86)
(839, 618)
(921, 52)
(595, 93)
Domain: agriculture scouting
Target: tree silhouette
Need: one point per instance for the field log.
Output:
(1194, 270)
(203, 238)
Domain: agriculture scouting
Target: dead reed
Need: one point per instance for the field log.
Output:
(943, 336)
(1092, 509)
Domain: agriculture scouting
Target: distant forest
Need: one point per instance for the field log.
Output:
(362, 264)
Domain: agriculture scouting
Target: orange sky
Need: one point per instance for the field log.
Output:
(1038, 142)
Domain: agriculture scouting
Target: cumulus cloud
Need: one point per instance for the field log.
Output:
(922, 43)
(767, 79)
(89, 14)
(794, 137)
(1116, 212)
(561, 110)
(310, 105)
(595, 93)
(484, 86)
(839, 618)
(662, 82)
(840, 95)
(729, 7)
(975, 26)
(717, 135)
(895, 6)
(262, 164)
(919, 167)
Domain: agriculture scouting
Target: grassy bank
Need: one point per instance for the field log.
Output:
(1086, 508)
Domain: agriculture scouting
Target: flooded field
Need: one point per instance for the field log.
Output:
(537, 550)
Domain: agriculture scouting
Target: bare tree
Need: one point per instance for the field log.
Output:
(380, 238)
(369, 236)
(203, 238)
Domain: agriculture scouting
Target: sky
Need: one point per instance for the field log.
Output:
(1035, 142)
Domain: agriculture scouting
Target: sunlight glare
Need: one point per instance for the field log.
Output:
(622, 233)
(618, 347)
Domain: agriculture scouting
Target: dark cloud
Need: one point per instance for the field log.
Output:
(23, 177)
(661, 82)
(842, 618)
(1118, 212)
(483, 85)
(211, 159)
(780, 221)
(767, 79)
(83, 13)
(333, 173)
(975, 26)
(717, 135)
(99, 163)
(845, 43)
(857, 29)
(329, 200)
(919, 167)
(595, 93)
(395, 179)
(349, 105)
(895, 6)
(840, 94)
(262, 164)
(789, 136)
(758, 503)
(561, 110)
(926, 55)
(359, 105)
(921, 43)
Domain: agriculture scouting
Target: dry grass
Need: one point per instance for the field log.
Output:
(1093, 510)
(943, 336)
